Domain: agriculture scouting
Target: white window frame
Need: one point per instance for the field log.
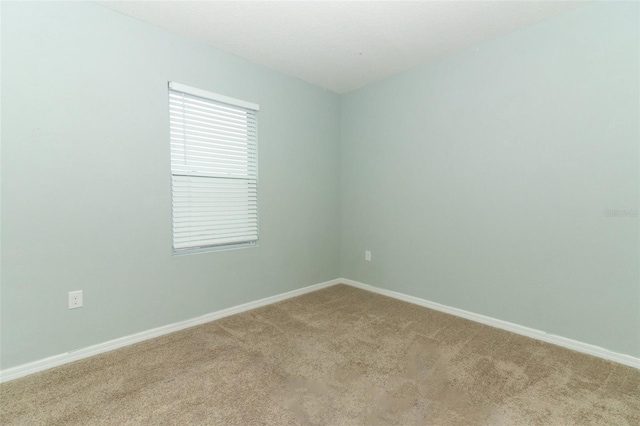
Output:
(214, 170)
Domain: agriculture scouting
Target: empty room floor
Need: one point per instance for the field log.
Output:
(337, 356)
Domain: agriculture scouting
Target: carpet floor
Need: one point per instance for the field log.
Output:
(338, 356)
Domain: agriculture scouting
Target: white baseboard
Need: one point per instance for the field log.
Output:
(65, 358)
(505, 325)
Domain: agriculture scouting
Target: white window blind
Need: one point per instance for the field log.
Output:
(214, 170)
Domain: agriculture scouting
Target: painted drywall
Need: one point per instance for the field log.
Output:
(482, 181)
(86, 184)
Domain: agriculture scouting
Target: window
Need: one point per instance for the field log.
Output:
(214, 170)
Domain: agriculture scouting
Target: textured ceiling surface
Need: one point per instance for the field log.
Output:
(341, 45)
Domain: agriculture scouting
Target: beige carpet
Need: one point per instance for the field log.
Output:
(339, 356)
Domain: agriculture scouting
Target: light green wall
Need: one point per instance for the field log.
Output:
(481, 181)
(86, 187)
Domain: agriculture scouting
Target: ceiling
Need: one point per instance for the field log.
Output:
(341, 45)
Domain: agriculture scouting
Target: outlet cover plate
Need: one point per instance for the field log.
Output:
(75, 299)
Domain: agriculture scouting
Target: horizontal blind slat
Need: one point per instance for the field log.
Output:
(207, 151)
(221, 242)
(223, 235)
(198, 103)
(186, 122)
(178, 138)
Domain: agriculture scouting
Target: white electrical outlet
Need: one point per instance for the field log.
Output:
(367, 255)
(75, 299)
